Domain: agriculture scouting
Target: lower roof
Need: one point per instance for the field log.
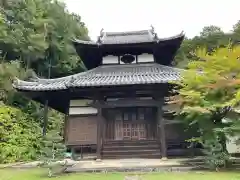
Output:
(102, 76)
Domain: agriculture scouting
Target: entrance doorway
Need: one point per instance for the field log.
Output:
(131, 124)
(134, 131)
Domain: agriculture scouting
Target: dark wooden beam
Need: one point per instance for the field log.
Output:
(120, 88)
(161, 130)
(66, 122)
(126, 103)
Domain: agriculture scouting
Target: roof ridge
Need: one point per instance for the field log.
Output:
(126, 33)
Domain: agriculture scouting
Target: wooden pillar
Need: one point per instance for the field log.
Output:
(104, 127)
(45, 118)
(99, 133)
(66, 123)
(161, 130)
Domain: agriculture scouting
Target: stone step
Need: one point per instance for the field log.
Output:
(132, 151)
(132, 155)
(134, 146)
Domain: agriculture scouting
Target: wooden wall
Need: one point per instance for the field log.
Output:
(81, 130)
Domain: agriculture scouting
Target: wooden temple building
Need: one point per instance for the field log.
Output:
(117, 107)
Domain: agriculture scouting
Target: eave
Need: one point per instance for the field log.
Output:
(58, 91)
(110, 75)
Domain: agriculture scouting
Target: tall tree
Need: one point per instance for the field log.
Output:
(39, 32)
(32, 34)
(25, 38)
(210, 30)
(236, 27)
(209, 93)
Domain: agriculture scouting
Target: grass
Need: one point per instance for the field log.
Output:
(40, 174)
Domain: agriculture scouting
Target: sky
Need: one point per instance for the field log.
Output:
(169, 17)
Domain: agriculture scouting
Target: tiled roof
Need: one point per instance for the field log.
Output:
(127, 37)
(110, 75)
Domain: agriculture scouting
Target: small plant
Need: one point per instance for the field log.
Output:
(52, 152)
(215, 156)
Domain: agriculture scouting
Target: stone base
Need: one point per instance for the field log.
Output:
(164, 158)
(98, 160)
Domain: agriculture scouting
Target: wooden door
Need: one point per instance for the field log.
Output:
(118, 130)
(130, 125)
(142, 131)
(134, 131)
(138, 131)
(127, 133)
(130, 131)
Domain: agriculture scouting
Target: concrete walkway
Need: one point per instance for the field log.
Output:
(112, 163)
(130, 164)
(121, 165)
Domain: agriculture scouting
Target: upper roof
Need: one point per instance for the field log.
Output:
(130, 37)
(127, 37)
(129, 42)
(104, 76)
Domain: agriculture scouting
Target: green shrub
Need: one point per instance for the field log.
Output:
(215, 155)
(20, 136)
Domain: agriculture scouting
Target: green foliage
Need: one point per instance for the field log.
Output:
(210, 37)
(215, 157)
(8, 71)
(33, 33)
(209, 94)
(210, 31)
(25, 37)
(19, 136)
(211, 84)
(39, 31)
(236, 27)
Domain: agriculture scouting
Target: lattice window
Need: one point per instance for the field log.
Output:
(118, 116)
(141, 114)
(125, 116)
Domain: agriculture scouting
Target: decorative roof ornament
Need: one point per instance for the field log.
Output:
(99, 40)
(152, 30)
(101, 32)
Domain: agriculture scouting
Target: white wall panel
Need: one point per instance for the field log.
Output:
(82, 110)
(145, 58)
(82, 102)
(110, 60)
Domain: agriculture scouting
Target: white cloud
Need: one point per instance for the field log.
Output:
(169, 17)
